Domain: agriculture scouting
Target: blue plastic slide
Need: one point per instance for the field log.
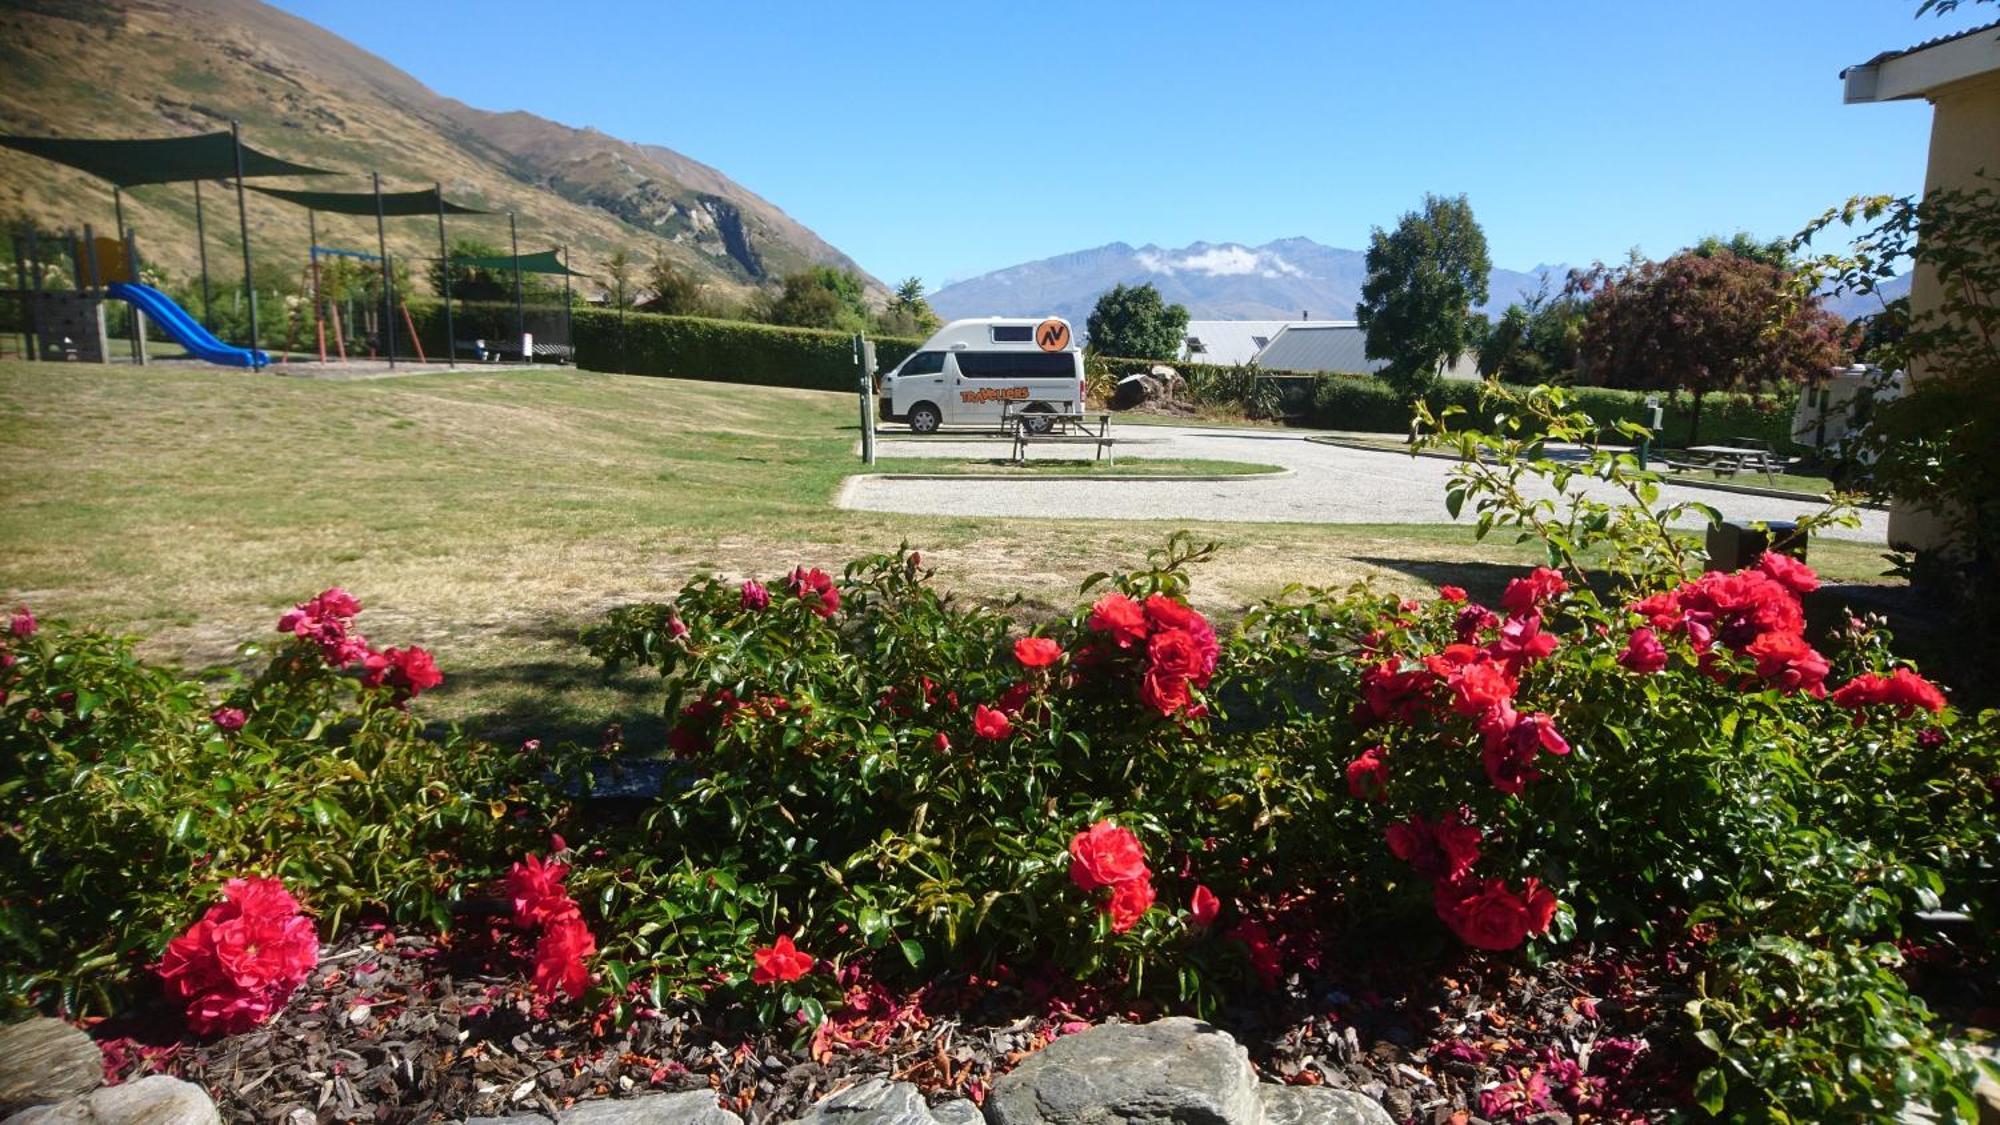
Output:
(186, 330)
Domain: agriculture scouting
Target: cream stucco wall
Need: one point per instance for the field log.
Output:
(1965, 141)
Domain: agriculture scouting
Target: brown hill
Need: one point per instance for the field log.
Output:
(138, 68)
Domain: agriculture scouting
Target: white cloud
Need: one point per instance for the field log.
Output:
(1222, 261)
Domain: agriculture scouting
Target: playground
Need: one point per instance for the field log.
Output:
(78, 294)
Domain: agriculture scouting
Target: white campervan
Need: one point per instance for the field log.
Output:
(979, 371)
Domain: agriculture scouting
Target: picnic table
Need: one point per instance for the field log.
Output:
(1058, 427)
(1728, 460)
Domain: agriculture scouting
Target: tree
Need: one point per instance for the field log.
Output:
(907, 313)
(675, 291)
(1134, 321)
(1423, 279)
(1534, 341)
(619, 270)
(820, 297)
(1703, 324)
(1776, 253)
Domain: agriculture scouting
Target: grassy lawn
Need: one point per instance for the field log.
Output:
(1060, 466)
(490, 515)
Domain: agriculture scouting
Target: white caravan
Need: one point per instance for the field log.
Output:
(977, 371)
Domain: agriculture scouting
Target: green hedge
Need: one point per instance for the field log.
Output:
(1366, 403)
(688, 347)
(676, 347)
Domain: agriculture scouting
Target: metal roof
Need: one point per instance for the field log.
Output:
(1315, 346)
(1228, 342)
(1926, 45)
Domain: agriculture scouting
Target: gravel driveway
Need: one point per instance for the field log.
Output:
(1327, 484)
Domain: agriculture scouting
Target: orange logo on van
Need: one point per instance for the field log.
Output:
(995, 394)
(1052, 335)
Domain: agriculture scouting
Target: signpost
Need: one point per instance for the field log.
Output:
(864, 362)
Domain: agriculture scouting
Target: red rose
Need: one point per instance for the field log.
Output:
(1643, 653)
(559, 959)
(1203, 908)
(1786, 661)
(1368, 775)
(1788, 572)
(989, 723)
(1473, 620)
(1524, 595)
(1165, 692)
(942, 743)
(1128, 903)
(1541, 904)
(1902, 688)
(327, 620)
(815, 587)
(1037, 652)
(537, 892)
(1452, 593)
(1390, 693)
(228, 718)
(1521, 643)
(1166, 614)
(22, 624)
(1120, 618)
(1479, 687)
(1444, 849)
(755, 595)
(1482, 912)
(409, 672)
(1105, 855)
(239, 963)
(781, 961)
(1265, 960)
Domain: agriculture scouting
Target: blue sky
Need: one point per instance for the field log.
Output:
(948, 139)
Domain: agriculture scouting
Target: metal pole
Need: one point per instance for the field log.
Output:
(138, 321)
(312, 271)
(569, 314)
(118, 209)
(520, 318)
(29, 348)
(444, 275)
(134, 324)
(201, 242)
(621, 325)
(243, 222)
(388, 277)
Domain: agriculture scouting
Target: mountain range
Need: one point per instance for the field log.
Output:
(158, 68)
(1290, 279)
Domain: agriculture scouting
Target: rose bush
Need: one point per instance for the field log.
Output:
(135, 794)
(1631, 751)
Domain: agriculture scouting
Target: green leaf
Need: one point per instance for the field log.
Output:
(913, 952)
(1711, 1090)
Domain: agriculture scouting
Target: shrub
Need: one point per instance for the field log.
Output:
(134, 795)
(725, 351)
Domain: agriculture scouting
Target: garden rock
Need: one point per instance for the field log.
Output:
(44, 1060)
(153, 1100)
(878, 1101)
(690, 1107)
(1180, 1071)
(1317, 1105)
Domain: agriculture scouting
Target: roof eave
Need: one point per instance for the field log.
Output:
(1922, 72)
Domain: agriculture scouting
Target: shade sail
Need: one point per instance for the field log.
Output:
(544, 262)
(363, 202)
(164, 160)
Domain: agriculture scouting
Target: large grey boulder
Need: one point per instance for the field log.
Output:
(1317, 1105)
(153, 1100)
(690, 1107)
(876, 1101)
(43, 1061)
(1176, 1071)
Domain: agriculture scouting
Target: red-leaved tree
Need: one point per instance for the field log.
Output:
(1704, 323)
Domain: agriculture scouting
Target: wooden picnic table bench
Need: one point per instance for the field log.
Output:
(1728, 460)
(1059, 432)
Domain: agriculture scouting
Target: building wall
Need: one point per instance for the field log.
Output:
(1965, 140)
